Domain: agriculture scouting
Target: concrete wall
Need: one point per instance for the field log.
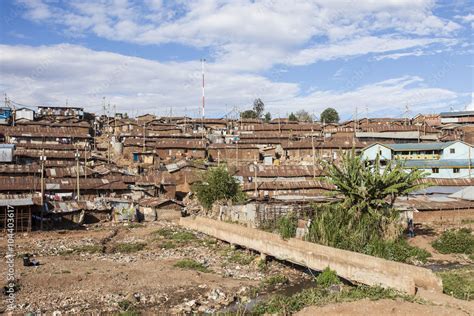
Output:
(349, 265)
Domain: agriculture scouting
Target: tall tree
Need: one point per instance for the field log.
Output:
(268, 117)
(330, 115)
(303, 116)
(292, 117)
(249, 114)
(258, 107)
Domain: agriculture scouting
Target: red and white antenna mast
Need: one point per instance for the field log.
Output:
(203, 96)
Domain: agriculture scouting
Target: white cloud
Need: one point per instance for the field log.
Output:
(257, 34)
(52, 74)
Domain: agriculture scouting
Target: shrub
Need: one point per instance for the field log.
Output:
(217, 185)
(398, 250)
(327, 278)
(287, 226)
(191, 264)
(455, 241)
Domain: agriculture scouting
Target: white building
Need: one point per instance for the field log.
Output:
(441, 160)
(24, 114)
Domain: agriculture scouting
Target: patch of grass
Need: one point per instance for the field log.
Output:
(183, 236)
(129, 247)
(164, 232)
(240, 257)
(135, 225)
(191, 264)
(275, 280)
(168, 245)
(327, 278)
(179, 236)
(125, 305)
(459, 283)
(286, 305)
(287, 226)
(455, 241)
(65, 271)
(82, 249)
(398, 250)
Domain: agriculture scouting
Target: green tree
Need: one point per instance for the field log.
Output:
(268, 117)
(292, 117)
(303, 116)
(365, 219)
(217, 184)
(330, 115)
(249, 114)
(258, 107)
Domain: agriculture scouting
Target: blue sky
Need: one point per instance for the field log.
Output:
(143, 56)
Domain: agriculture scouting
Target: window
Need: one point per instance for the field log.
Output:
(452, 150)
(455, 170)
(434, 170)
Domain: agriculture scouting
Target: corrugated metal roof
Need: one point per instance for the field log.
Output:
(440, 163)
(457, 114)
(419, 146)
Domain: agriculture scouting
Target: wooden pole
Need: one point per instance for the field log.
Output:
(42, 159)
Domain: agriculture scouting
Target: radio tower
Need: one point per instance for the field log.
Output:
(203, 97)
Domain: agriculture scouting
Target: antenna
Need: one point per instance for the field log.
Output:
(203, 95)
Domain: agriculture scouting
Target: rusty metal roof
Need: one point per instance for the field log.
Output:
(42, 131)
(289, 185)
(157, 202)
(285, 171)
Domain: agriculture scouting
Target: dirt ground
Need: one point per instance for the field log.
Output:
(146, 280)
(381, 307)
(85, 271)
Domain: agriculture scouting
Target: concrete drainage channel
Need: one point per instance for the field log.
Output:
(349, 265)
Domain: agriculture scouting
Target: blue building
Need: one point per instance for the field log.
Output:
(441, 160)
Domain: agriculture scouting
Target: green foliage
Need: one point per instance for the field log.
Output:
(129, 247)
(249, 114)
(258, 107)
(327, 278)
(240, 257)
(268, 117)
(365, 220)
(191, 264)
(455, 241)
(303, 116)
(168, 245)
(292, 117)
(396, 250)
(275, 280)
(459, 283)
(287, 305)
(217, 185)
(287, 226)
(330, 115)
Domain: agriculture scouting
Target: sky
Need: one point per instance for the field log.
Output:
(391, 58)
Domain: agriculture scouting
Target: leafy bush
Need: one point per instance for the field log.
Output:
(455, 241)
(327, 278)
(191, 264)
(459, 283)
(287, 226)
(217, 185)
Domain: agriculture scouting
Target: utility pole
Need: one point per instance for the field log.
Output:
(144, 137)
(77, 155)
(203, 95)
(42, 161)
(256, 185)
(470, 164)
(314, 153)
(86, 147)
